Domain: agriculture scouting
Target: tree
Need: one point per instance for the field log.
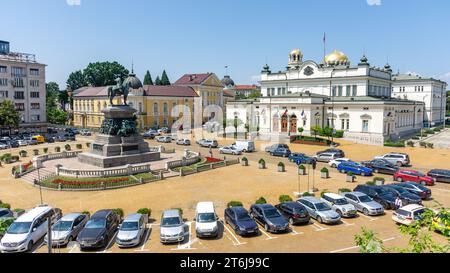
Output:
(104, 73)
(315, 129)
(328, 132)
(76, 80)
(9, 116)
(158, 81)
(148, 79)
(164, 79)
(52, 93)
(368, 242)
(57, 116)
(254, 95)
(301, 130)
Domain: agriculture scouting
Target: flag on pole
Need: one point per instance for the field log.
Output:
(324, 37)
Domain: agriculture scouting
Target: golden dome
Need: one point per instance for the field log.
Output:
(336, 57)
(295, 57)
(296, 52)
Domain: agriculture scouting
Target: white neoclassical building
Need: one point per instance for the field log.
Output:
(355, 99)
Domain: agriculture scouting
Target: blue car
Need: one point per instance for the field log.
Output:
(355, 168)
(241, 222)
(301, 158)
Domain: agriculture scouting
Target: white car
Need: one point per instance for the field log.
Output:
(3, 146)
(408, 215)
(335, 162)
(183, 141)
(22, 142)
(232, 150)
(206, 220)
(27, 230)
(164, 139)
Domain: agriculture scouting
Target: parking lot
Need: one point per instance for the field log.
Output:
(245, 184)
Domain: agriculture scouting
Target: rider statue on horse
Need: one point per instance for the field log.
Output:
(118, 90)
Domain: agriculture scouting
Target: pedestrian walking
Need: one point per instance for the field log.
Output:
(398, 203)
(210, 152)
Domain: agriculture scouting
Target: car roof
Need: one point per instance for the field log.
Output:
(333, 195)
(357, 193)
(3, 209)
(412, 207)
(33, 214)
(171, 213)
(263, 206)
(238, 209)
(70, 216)
(205, 207)
(311, 199)
(101, 213)
(133, 217)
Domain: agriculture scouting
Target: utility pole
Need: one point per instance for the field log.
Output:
(49, 233)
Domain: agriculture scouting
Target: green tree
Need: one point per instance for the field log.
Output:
(165, 79)
(57, 116)
(9, 116)
(254, 95)
(316, 129)
(52, 93)
(76, 80)
(148, 79)
(158, 81)
(104, 73)
(301, 130)
(328, 132)
(368, 242)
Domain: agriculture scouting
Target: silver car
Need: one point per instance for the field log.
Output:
(67, 229)
(327, 157)
(232, 150)
(173, 229)
(132, 230)
(364, 203)
(319, 210)
(339, 204)
(398, 159)
(164, 139)
(183, 141)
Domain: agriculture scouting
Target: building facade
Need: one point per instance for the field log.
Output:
(428, 90)
(22, 80)
(355, 99)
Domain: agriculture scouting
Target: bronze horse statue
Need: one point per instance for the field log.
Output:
(119, 89)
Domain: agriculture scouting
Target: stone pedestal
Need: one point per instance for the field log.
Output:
(113, 147)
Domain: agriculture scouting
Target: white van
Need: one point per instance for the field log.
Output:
(245, 146)
(26, 230)
(206, 220)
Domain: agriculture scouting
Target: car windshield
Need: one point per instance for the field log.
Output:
(420, 174)
(341, 201)
(382, 191)
(206, 217)
(19, 228)
(170, 221)
(270, 213)
(365, 199)
(243, 217)
(96, 223)
(322, 207)
(418, 214)
(62, 226)
(129, 225)
(3, 213)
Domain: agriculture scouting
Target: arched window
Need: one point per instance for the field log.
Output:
(155, 109)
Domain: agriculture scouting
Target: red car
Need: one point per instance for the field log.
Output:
(413, 176)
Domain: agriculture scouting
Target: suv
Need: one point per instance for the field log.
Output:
(173, 229)
(398, 159)
(319, 210)
(413, 176)
(279, 150)
(208, 143)
(99, 229)
(333, 150)
(327, 157)
(294, 212)
(381, 195)
(339, 204)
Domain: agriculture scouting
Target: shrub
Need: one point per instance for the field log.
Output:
(302, 167)
(232, 204)
(410, 143)
(400, 144)
(88, 144)
(15, 158)
(284, 198)
(350, 173)
(430, 132)
(414, 138)
(119, 212)
(45, 150)
(339, 134)
(430, 145)
(57, 149)
(6, 158)
(145, 211)
(23, 153)
(371, 183)
(244, 159)
(5, 223)
(261, 200)
(280, 164)
(5, 206)
(79, 146)
(423, 144)
(323, 193)
(262, 161)
(180, 210)
(19, 211)
(86, 212)
(379, 179)
(306, 194)
(324, 170)
(345, 190)
(67, 147)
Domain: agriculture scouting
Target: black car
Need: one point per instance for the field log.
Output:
(99, 230)
(269, 217)
(381, 166)
(422, 191)
(440, 175)
(294, 212)
(13, 143)
(383, 196)
(70, 136)
(241, 222)
(332, 150)
(406, 196)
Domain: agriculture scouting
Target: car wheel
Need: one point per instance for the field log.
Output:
(333, 166)
(266, 227)
(342, 171)
(319, 219)
(366, 212)
(423, 183)
(291, 221)
(339, 212)
(30, 245)
(271, 154)
(399, 179)
(70, 239)
(376, 170)
(399, 164)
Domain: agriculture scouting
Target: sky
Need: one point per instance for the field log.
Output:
(198, 36)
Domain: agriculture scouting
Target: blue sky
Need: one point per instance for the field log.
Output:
(193, 36)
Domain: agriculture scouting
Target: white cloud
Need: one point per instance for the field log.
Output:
(374, 2)
(255, 78)
(445, 77)
(73, 2)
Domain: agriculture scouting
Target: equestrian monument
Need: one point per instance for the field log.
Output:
(119, 142)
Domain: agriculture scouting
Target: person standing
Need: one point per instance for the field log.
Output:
(398, 203)
(210, 152)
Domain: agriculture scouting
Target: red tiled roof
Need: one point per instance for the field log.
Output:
(92, 91)
(192, 79)
(228, 93)
(169, 91)
(245, 87)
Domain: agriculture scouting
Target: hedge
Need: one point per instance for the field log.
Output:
(261, 201)
(145, 211)
(119, 212)
(400, 144)
(232, 204)
(285, 198)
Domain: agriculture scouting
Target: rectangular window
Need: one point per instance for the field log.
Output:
(333, 91)
(35, 106)
(3, 69)
(348, 91)
(34, 83)
(3, 82)
(3, 94)
(348, 124)
(20, 106)
(35, 117)
(340, 91)
(279, 91)
(365, 126)
(354, 90)
(34, 71)
(18, 72)
(18, 82)
(18, 95)
(34, 95)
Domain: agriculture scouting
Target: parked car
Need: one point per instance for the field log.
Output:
(99, 230)
(440, 175)
(381, 166)
(6, 213)
(61, 138)
(327, 157)
(132, 230)
(164, 139)
(70, 136)
(339, 204)
(409, 214)
(379, 194)
(230, 150)
(422, 191)
(398, 159)
(246, 146)
(40, 139)
(319, 210)
(26, 230)
(173, 229)
(32, 141)
(240, 221)
(200, 141)
(439, 224)
(335, 162)
(86, 133)
(209, 143)
(3, 146)
(22, 142)
(413, 176)
(279, 150)
(269, 217)
(294, 212)
(406, 196)
(206, 220)
(12, 144)
(299, 158)
(5, 138)
(148, 135)
(183, 141)
(67, 229)
(334, 151)
(355, 168)
(364, 203)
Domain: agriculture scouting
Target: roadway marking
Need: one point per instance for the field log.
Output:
(75, 245)
(147, 237)
(295, 233)
(268, 236)
(110, 244)
(347, 224)
(368, 217)
(187, 246)
(318, 227)
(237, 243)
(355, 247)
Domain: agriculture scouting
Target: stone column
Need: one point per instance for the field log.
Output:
(129, 169)
(57, 168)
